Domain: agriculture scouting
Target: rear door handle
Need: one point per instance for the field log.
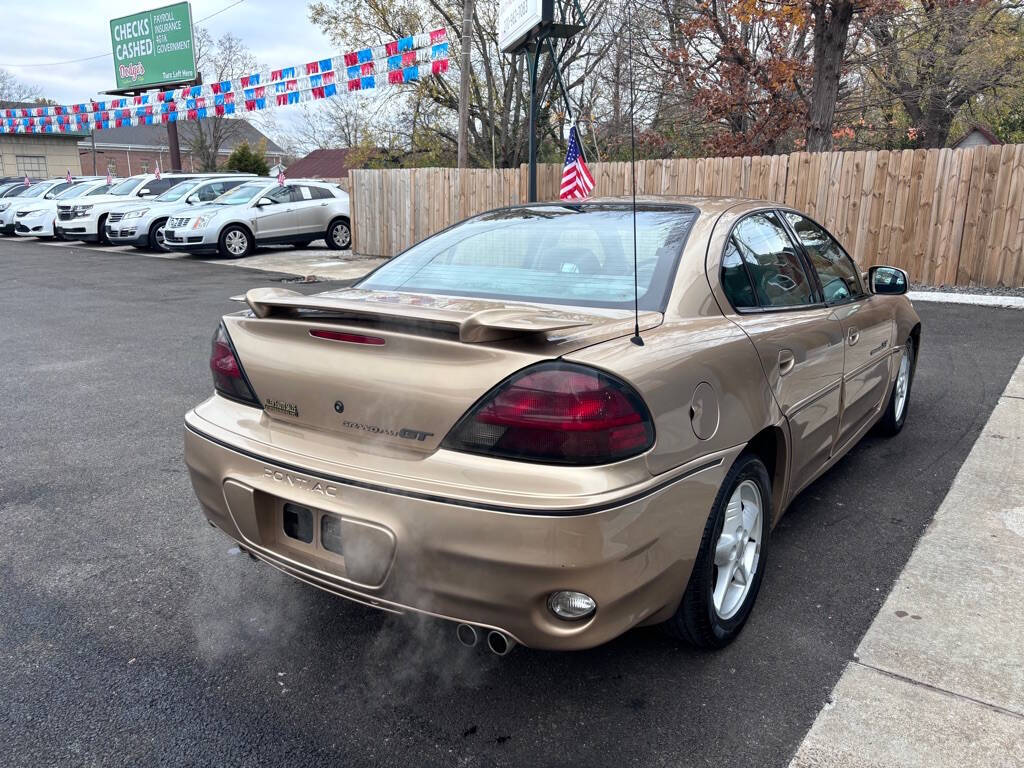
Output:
(786, 362)
(853, 335)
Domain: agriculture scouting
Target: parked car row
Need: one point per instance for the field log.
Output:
(225, 213)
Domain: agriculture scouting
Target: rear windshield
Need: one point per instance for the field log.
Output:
(580, 255)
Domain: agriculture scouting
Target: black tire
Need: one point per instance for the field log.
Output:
(696, 621)
(232, 232)
(303, 244)
(892, 423)
(339, 235)
(101, 231)
(156, 236)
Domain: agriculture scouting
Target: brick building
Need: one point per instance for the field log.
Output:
(138, 149)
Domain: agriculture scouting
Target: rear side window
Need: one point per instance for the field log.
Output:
(774, 269)
(839, 277)
(319, 193)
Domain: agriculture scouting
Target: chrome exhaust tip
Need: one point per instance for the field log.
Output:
(467, 635)
(499, 643)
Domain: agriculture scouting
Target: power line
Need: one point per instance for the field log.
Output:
(109, 53)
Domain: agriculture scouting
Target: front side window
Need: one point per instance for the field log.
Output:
(158, 186)
(281, 195)
(775, 271)
(839, 277)
(558, 254)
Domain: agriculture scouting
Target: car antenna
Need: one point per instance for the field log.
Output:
(632, 176)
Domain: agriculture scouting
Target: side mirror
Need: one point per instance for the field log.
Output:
(889, 281)
(264, 201)
(144, 193)
(49, 196)
(192, 199)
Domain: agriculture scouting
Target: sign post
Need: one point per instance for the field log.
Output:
(155, 48)
(523, 27)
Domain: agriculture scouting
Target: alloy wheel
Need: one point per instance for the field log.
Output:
(738, 550)
(236, 242)
(341, 235)
(903, 381)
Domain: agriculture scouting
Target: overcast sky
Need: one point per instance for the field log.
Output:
(41, 32)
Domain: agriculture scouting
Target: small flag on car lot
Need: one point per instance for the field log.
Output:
(577, 182)
(27, 182)
(68, 177)
(157, 170)
(280, 178)
(109, 179)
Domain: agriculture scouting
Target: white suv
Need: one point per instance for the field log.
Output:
(263, 213)
(44, 190)
(87, 221)
(142, 223)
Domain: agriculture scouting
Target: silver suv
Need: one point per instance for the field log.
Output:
(263, 213)
(142, 223)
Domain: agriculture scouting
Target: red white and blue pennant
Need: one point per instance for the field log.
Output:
(405, 60)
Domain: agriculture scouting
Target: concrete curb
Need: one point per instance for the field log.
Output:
(978, 299)
(938, 679)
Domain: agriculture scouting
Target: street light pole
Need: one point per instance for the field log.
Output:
(464, 75)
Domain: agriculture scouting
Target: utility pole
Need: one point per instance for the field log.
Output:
(464, 75)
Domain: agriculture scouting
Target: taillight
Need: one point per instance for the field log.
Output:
(558, 413)
(228, 376)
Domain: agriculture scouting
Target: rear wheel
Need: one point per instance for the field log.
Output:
(234, 243)
(730, 562)
(339, 235)
(895, 415)
(156, 236)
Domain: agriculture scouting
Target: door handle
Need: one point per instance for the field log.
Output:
(324, 205)
(853, 335)
(786, 362)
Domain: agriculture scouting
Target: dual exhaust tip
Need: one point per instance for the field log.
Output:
(498, 642)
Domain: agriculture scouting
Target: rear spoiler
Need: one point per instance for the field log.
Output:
(479, 326)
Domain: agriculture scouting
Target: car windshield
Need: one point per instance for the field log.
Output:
(75, 191)
(240, 195)
(126, 187)
(580, 255)
(37, 191)
(178, 191)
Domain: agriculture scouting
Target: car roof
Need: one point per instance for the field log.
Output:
(707, 204)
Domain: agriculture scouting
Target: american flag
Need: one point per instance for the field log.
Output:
(157, 170)
(109, 179)
(577, 182)
(27, 182)
(280, 178)
(68, 177)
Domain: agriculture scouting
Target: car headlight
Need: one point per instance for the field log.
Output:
(4, 207)
(32, 212)
(136, 214)
(200, 222)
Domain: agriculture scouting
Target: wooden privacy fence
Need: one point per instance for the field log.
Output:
(947, 216)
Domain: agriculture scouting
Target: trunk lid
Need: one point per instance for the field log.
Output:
(409, 365)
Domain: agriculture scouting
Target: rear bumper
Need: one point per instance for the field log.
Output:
(458, 560)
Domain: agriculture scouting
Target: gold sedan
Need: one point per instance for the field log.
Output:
(523, 427)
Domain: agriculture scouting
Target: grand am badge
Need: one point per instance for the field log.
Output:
(280, 405)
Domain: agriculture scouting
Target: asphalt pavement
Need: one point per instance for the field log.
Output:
(131, 633)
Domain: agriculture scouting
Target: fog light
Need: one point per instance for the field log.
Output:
(571, 605)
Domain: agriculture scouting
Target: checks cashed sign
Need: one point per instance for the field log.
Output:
(154, 47)
(517, 19)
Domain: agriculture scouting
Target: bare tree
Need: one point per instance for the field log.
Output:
(934, 57)
(225, 58)
(13, 89)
